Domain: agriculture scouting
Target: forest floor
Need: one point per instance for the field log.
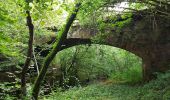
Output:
(158, 89)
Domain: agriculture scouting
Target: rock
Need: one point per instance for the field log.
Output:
(7, 77)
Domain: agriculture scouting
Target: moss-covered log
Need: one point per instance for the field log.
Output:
(61, 38)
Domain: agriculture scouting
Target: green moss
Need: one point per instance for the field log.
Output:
(166, 95)
(116, 23)
(122, 24)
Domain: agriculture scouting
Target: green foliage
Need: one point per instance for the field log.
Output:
(155, 90)
(89, 13)
(10, 28)
(10, 91)
(129, 67)
(92, 10)
(82, 62)
(14, 32)
(116, 22)
(138, 6)
(111, 25)
(99, 61)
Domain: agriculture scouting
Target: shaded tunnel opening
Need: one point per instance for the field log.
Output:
(85, 64)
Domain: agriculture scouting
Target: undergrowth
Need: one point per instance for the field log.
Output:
(158, 89)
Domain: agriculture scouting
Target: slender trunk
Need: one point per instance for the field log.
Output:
(29, 53)
(35, 61)
(51, 55)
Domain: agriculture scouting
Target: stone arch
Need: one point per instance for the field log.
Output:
(140, 37)
(71, 42)
(154, 58)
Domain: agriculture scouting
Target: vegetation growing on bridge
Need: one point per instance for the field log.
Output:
(61, 47)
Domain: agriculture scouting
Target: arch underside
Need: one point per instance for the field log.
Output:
(70, 42)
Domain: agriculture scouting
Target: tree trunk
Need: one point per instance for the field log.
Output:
(62, 37)
(29, 53)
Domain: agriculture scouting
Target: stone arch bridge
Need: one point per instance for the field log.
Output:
(146, 36)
